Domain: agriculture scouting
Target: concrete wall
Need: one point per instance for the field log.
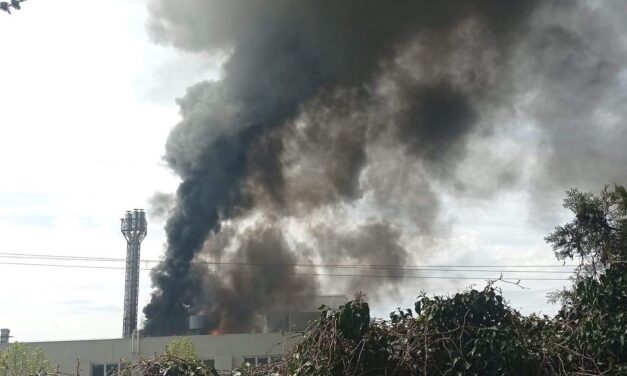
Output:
(226, 350)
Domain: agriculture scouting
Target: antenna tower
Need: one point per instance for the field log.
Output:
(134, 228)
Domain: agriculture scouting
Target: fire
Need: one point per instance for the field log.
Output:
(215, 332)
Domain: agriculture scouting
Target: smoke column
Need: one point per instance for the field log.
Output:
(335, 123)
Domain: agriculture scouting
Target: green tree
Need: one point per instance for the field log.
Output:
(592, 323)
(597, 236)
(22, 360)
(179, 359)
(182, 348)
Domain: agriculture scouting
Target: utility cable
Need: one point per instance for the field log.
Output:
(298, 274)
(347, 266)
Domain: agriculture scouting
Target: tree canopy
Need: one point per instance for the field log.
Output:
(597, 235)
(22, 360)
(182, 348)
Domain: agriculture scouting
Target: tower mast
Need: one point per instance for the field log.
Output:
(134, 228)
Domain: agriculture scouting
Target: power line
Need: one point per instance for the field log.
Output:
(299, 274)
(325, 266)
(66, 265)
(58, 257)
(347, 266)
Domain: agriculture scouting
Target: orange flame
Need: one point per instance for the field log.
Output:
(215, 332)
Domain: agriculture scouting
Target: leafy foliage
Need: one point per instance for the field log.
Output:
(21, 360)
(474, 332)
(182, 348)
(179, 359)
(169, 365)
(594, 321)
(470, 333)
(597, 236)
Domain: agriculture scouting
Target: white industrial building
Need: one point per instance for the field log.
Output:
(103, 357)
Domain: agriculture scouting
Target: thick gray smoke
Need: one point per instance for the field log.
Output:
(161, 205)
(578, 99)
(336, 122)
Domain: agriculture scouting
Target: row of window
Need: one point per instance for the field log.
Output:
(111, 369)
(257, 360)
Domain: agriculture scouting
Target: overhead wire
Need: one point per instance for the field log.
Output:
(390, 276)
(445, 268)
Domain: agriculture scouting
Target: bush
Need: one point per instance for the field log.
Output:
(473, 332)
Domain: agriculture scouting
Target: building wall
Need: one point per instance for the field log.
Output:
(227, 351)
(300, 312)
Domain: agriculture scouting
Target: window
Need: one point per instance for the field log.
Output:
(257, 360)
(250, 360)
(97, 370)
(110, 369)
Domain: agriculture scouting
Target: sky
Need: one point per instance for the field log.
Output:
(87, 101)
(86, 108)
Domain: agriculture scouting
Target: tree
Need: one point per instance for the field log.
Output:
(597, 236)
(23, 360)
(182, 348)
(593, 320)
(179, 359)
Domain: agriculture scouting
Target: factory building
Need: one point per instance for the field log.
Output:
(103, 357)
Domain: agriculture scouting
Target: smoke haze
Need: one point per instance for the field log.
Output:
(336, 123)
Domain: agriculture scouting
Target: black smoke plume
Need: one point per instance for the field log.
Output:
(334, 124)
